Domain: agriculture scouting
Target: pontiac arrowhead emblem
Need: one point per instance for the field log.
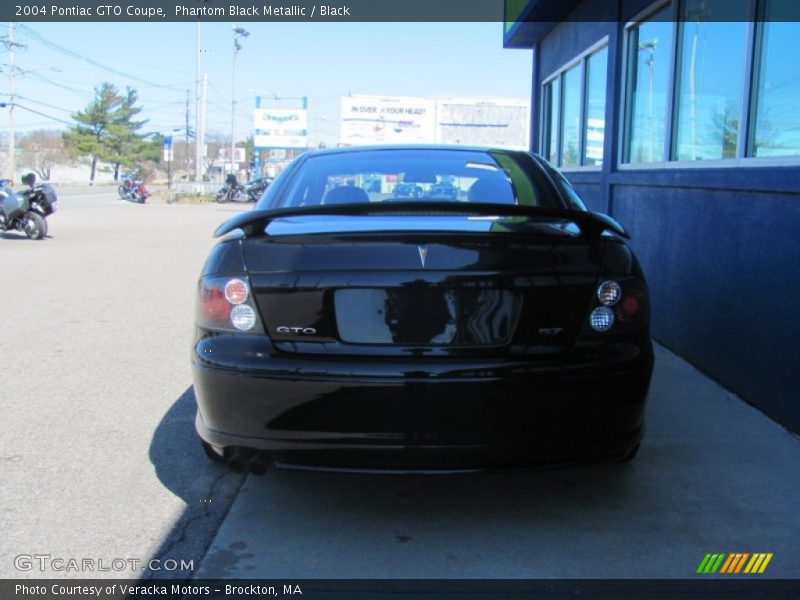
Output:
(423, 254)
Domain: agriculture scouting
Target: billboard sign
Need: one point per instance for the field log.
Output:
(280, 128)
(238, 156)
(500, 123)
(387, 120)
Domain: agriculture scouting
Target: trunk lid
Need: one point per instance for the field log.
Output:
(417, 286)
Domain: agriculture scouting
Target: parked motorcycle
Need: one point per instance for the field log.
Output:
(256, 188)
(27, 210)
(232, 191)
(133, 190)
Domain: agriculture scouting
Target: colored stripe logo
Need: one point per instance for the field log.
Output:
(738, 562)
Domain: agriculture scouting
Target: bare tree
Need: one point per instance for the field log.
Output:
(42, 150)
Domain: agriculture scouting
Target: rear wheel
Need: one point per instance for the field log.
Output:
(215, 454)
(34, 226)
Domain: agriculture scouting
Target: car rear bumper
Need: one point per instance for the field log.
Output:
(377, 414)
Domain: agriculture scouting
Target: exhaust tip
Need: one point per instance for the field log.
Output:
(240, 460)
(259, 464)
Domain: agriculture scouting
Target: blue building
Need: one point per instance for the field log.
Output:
(681, 118)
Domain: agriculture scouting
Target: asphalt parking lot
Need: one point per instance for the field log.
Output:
(98, 457)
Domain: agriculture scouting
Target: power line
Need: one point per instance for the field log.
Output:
(41, 114)
(225, 99)
(42, 103)
(33, 34)
(41, 77)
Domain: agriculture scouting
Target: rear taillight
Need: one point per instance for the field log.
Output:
(602, 318)
(630, 305)
(609, 292)
(617, 305)
(226, 304)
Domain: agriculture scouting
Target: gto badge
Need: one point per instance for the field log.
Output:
(423, 254)
(300, 330)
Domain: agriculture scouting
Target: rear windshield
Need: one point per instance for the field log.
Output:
(418, 175)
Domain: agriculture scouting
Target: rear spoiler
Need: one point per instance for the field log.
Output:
(591, 224)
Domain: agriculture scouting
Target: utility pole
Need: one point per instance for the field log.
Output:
(186, 145)
(197, 170)
(237, 32)
(11, 73)
(200, 134)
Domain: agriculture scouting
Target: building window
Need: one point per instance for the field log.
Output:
(571, 119)
(574, 103)
(709, 80)
(595, 108)
(694, 94)
(647, 103)
(775, 128)
(552, 106)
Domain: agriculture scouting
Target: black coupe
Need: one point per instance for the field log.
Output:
(341, 327)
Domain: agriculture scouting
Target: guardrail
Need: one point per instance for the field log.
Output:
(191, 188)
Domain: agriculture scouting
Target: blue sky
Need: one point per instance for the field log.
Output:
(318, 60)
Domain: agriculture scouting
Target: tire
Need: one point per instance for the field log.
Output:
(34, 225)
(222, 197)
(208, 450)
(121, 192)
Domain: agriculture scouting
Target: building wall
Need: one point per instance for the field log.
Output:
(720, 246)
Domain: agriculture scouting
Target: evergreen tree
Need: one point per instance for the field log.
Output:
(124, 146)
(88, 136)
(106, 130)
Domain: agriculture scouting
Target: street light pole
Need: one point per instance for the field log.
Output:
(237, 33)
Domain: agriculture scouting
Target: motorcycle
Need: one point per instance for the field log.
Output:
(256, 188)
(27, 211)
(133, 190)
(232, 191)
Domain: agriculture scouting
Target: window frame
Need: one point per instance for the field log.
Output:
(580, 60)
(750, 68)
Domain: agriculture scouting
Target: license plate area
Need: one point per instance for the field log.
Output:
(426, 315)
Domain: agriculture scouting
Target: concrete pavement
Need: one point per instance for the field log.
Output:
(713, 475)
(97, 455)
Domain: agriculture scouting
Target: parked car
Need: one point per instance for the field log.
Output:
(407, 190)
(509, 329)
(443, 191)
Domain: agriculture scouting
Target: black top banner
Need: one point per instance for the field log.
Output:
(157, 11)
(253, 10)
